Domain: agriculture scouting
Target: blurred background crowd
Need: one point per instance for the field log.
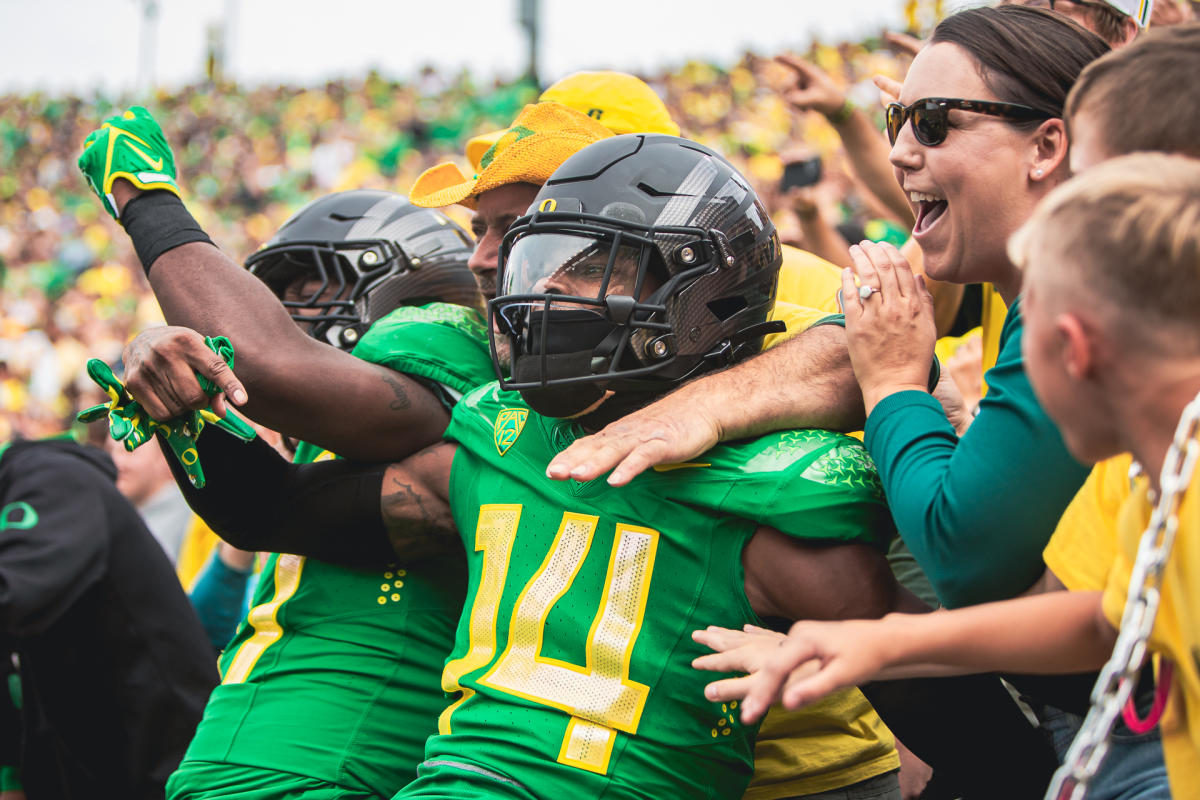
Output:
(71, 287)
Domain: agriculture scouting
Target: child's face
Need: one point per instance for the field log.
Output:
(1056, 362)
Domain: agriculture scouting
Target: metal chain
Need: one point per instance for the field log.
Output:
(1119, 676)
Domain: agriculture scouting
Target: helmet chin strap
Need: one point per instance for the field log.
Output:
(726, 351)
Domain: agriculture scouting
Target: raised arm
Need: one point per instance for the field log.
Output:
(865, 147)
(294, 384)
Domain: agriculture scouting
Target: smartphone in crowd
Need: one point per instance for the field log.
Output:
(801, 173)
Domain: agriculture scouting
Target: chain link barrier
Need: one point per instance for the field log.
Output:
(1119, 677)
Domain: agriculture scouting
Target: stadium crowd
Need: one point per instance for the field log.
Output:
(968, 262)
(249, 158)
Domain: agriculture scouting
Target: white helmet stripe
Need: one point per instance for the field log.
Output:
(691, 191)
(368, 226)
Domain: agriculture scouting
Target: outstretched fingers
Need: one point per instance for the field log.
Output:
(670, 431)
(890, 87)
(625, 453)
(769, 659)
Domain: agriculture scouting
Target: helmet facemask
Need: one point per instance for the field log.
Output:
(648, 261)
(583, 302)
(335, 306)
(357, 256)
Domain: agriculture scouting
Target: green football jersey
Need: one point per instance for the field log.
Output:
(334, 672)
(572, 662)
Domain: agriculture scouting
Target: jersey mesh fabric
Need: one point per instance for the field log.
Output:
(334, 673)
(574, 654)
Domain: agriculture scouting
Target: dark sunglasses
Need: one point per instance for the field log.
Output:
(931, 116)
(1052, 4)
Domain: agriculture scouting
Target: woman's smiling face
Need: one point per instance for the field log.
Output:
(972, 190)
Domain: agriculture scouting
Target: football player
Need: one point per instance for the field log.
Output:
(358, 650)
(649, 261)
(497, 189)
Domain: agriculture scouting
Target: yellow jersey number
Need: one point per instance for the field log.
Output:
(598, 696)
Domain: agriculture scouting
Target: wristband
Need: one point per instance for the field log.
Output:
(842, 114)
(158, 221)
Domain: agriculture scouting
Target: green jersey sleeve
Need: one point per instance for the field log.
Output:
(439, 342)
(810, 484)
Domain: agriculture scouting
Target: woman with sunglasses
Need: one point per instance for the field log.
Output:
(977, 140)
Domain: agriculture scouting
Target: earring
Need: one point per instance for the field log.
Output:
(1037, 173)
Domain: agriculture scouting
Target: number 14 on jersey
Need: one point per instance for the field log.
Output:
(598, 695)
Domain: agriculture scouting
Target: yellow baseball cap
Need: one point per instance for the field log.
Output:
(617, 100)
(541, 138)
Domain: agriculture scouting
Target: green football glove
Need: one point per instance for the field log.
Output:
(129, 146)
(129, 423)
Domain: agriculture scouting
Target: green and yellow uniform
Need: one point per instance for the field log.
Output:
(572, 662)
(333, 676)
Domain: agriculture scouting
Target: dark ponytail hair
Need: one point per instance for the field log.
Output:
(1026, 55)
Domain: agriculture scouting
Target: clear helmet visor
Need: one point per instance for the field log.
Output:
(574, 266)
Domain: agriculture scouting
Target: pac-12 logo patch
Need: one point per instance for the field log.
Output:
(509, 424)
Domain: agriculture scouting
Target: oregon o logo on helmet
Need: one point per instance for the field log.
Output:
(549, 204)
(28, 518)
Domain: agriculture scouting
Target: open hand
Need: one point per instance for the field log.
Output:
(812, 661)
(903, 43)
(674, 429)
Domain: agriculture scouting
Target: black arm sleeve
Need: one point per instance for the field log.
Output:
(255, 500)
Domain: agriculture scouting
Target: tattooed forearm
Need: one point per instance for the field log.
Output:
(402, 400)
(418, 524)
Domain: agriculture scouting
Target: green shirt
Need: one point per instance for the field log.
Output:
(976, 512)
(334, 673)
(573, 662)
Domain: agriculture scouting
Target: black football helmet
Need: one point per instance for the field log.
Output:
(646, 260)
(371, 252)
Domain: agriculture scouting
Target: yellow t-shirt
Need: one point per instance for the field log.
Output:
(199, 542)
(809, 280)
(807, 293)
(1176, 634)
(1084, 545)
(840, 740)
(994, 312)
(836, 742)
(947, 346)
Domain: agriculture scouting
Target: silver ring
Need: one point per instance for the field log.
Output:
(865, 292)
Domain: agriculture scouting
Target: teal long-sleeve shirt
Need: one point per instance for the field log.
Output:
(976, 511)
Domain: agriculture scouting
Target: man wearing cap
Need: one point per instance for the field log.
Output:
(839, 743)
(808, 285)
